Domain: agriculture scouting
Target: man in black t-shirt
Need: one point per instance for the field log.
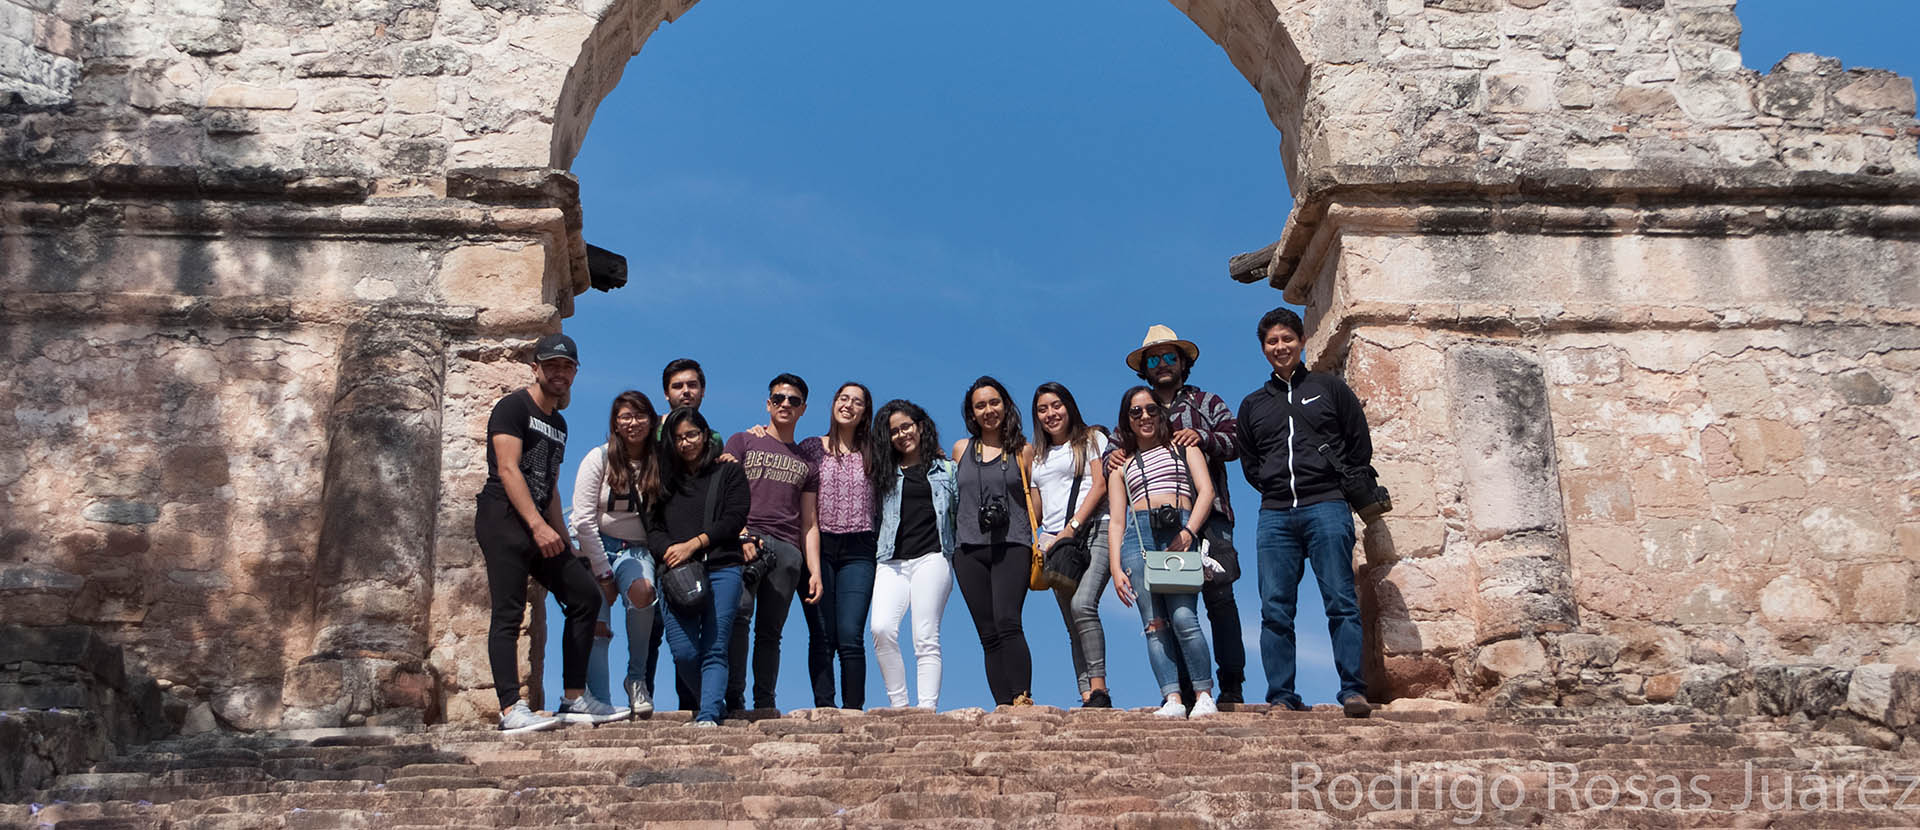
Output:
(518, 523)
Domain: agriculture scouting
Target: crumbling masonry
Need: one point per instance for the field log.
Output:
(1636, 328)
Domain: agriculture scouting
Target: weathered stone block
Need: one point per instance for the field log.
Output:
(246, 96)
(1787, 690)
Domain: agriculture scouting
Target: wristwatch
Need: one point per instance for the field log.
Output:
(1073, 525)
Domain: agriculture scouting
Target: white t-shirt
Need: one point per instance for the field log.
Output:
(597, 510)
(1053, 476)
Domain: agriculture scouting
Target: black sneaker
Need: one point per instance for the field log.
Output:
(1098, 699)
(1356, 706)
(1229, 694)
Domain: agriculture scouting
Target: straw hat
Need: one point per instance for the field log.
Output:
(1161, 335)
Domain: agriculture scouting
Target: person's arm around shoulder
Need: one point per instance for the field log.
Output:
(1117, 519)
(588, 485)
(1218, 427)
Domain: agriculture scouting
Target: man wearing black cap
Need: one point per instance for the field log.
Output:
(521, 533)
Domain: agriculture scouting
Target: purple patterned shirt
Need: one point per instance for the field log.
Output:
(846, 496)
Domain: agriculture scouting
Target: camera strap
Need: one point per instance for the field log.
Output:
(1335, 456)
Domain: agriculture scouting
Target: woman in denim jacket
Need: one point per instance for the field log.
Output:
(913, 489)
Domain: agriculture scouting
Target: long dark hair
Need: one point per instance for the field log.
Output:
(862, 429)
(1012, 438)
(673, 471)
(621, 467)
(1079, 437)
(886, 458)
(1124, 435)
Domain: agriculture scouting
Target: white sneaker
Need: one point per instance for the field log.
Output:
(705, 724)
(521, 719)
(585, 709)
(1203, 706)
(1173, 709)
(637, 700)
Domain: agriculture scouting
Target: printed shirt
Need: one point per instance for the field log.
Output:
(543, 443)
(846, 496)
(776, 475)
(1207, 414)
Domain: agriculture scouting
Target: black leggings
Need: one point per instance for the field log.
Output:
(993, 580)
(511, 557)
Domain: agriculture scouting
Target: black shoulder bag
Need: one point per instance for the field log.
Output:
(685, 585)
(1069, 557)
(1360, 486)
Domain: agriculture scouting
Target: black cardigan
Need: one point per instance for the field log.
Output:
(682, 514)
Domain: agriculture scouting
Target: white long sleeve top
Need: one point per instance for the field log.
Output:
(596, 510)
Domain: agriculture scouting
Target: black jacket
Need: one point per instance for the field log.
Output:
(1278, 451)
(682, 515)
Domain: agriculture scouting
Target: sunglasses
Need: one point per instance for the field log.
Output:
(1159, 360)
(783, 399)
(1151, 410)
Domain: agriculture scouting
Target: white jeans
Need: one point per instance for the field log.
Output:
(922, 584)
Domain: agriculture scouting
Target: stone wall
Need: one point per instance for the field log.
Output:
(1625, 311)
(1627, 460)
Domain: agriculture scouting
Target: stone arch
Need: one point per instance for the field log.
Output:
(1625, 312)
(1253, 34)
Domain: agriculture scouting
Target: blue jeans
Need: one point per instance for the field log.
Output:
(1288, 538)
(837, 624)
(699, 639)
(631, 563)
(1172, 620)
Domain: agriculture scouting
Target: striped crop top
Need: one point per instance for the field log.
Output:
(1160, 470)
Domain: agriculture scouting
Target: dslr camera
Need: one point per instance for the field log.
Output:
(993, 515)
(1165, 517)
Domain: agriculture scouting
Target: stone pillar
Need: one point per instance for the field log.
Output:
(373, 575)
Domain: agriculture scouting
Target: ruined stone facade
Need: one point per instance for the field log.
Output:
(1636, 327)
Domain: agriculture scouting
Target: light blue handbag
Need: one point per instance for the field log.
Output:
(1168, 571)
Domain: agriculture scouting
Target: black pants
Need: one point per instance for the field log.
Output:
(1223, 616)
(766, 605)
(512, 557)
(837, 624)
(993, 579)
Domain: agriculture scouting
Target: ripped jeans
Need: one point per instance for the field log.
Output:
(1172, 621)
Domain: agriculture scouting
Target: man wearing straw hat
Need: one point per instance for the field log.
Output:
(1204, 420)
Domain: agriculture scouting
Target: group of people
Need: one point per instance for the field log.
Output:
(876, 518)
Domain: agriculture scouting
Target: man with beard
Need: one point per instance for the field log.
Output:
(521, 533)
(1200, 419)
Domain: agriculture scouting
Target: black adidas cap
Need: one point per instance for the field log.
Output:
(556, 345)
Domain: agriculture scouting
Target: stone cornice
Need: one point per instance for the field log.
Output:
(1598, 202)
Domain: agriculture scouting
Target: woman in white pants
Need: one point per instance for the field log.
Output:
(913, 487)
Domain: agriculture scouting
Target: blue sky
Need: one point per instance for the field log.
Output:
(912, 195)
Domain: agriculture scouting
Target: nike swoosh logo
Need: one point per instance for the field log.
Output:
(1311, 400)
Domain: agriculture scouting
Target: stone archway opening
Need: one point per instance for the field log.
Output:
(1638, 324)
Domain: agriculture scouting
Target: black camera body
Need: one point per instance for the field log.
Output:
(993, 515)
(1365, 494)
(1164, 517)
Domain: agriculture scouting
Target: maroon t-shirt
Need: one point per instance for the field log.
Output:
(776, 476)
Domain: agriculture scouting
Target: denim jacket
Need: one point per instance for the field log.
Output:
(941, 476)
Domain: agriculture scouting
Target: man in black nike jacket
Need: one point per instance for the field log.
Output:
(1287, 429)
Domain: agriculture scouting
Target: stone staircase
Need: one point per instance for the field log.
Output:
(1034, 767)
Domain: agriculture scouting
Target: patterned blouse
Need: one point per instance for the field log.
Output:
(846, 496)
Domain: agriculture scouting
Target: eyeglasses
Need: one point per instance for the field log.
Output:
(783, 399)
(688, 437)
(631, 418)
(902, 429)
(1151, 410)
(1159, 360)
